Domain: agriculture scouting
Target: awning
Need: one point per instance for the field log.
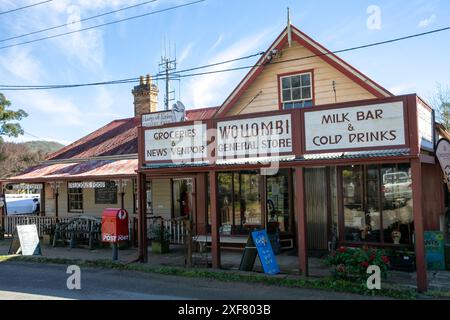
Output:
(95, 169)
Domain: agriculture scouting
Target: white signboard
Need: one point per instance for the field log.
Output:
(378, 125)
(157, 118)
(87, 184)
(176, 144)
(29, 239)
(425, 124)
(256, 137)
(27, 186)
(443, 155)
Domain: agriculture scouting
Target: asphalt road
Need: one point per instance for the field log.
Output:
(45, 281)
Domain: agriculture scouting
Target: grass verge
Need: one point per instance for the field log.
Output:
(327, 284)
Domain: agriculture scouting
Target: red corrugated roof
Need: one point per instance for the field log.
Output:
(87, 169)
(118, 137)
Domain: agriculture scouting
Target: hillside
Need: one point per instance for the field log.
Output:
(16, 157)
(46, 147)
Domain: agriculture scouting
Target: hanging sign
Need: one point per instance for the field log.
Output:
(443, 156)
(378, 125)
(181, 144)
(254, 137)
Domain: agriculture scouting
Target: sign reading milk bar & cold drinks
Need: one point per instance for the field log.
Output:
(254, 137)
(378, 125)
(176, 144)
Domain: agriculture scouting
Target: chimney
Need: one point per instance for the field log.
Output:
(145, 96)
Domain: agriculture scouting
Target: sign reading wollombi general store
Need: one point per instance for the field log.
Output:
(378, 125)
(181, 144)
(254, 137)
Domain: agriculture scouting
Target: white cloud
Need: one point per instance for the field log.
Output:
(217, 43)
(185, 53)
(426, 22)
(20, 64)
(211, 90)
(403, 88)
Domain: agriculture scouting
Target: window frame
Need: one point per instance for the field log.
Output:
(280, 78)
(68, 199)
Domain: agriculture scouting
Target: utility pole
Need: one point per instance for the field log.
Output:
(167, 67)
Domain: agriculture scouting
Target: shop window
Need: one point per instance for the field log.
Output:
(377, 204)
(278, 202)
(149, 197)
(238, 202)
(397, 204)
(296, 91)
(75, 199)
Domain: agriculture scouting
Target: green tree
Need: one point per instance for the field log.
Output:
(8, 119)
(440, 101)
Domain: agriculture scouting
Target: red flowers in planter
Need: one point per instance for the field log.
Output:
(385, 259)
(342, 249)
(364, 264)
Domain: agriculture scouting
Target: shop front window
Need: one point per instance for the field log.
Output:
(397, 204)
(278, 201)
(239, 202)
(377, 204)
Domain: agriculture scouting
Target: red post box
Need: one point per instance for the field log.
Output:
(114, 225)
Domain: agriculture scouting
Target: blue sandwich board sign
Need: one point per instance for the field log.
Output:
(265, 252)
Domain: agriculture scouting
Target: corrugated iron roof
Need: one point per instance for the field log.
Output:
(118, 137)
(355, 154)
(92, 169)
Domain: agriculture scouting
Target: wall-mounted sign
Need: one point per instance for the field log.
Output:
(426, 127)
(254, 137)
(182, 144)
(378, 125)
(106, 195)
(155, 119)
(26, 186)
(87, 184)
(443, 156)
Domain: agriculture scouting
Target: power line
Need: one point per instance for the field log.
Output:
(25, 7)
(78, 21)
(178, 75)
(104, 24)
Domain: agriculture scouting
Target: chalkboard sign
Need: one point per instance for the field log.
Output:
(435, 250)
(106, 195)
(249, 256)
(28, 241)
(265, 252)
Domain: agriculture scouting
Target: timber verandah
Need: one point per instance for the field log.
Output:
(205, 174)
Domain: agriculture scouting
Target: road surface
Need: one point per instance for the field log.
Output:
(48, 281)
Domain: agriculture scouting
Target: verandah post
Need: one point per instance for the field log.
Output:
(215, 236)
(301, 221)
(142, 217)
(419, 242)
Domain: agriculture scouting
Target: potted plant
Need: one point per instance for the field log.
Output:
(160, 239)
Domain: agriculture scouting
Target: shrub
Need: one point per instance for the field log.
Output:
(347, 263)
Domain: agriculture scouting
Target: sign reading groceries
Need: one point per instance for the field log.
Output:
(181, 144)
(378, 125)
(254, 137)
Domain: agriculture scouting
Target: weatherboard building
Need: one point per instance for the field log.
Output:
(305, 143)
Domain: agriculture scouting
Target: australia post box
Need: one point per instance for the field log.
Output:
(114, 225)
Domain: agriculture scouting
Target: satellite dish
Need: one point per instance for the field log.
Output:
(178, 111)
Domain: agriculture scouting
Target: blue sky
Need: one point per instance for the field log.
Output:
(211, 31)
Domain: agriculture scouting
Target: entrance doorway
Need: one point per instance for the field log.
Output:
(183, 201)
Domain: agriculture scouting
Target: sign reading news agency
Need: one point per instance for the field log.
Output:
(370, 126)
